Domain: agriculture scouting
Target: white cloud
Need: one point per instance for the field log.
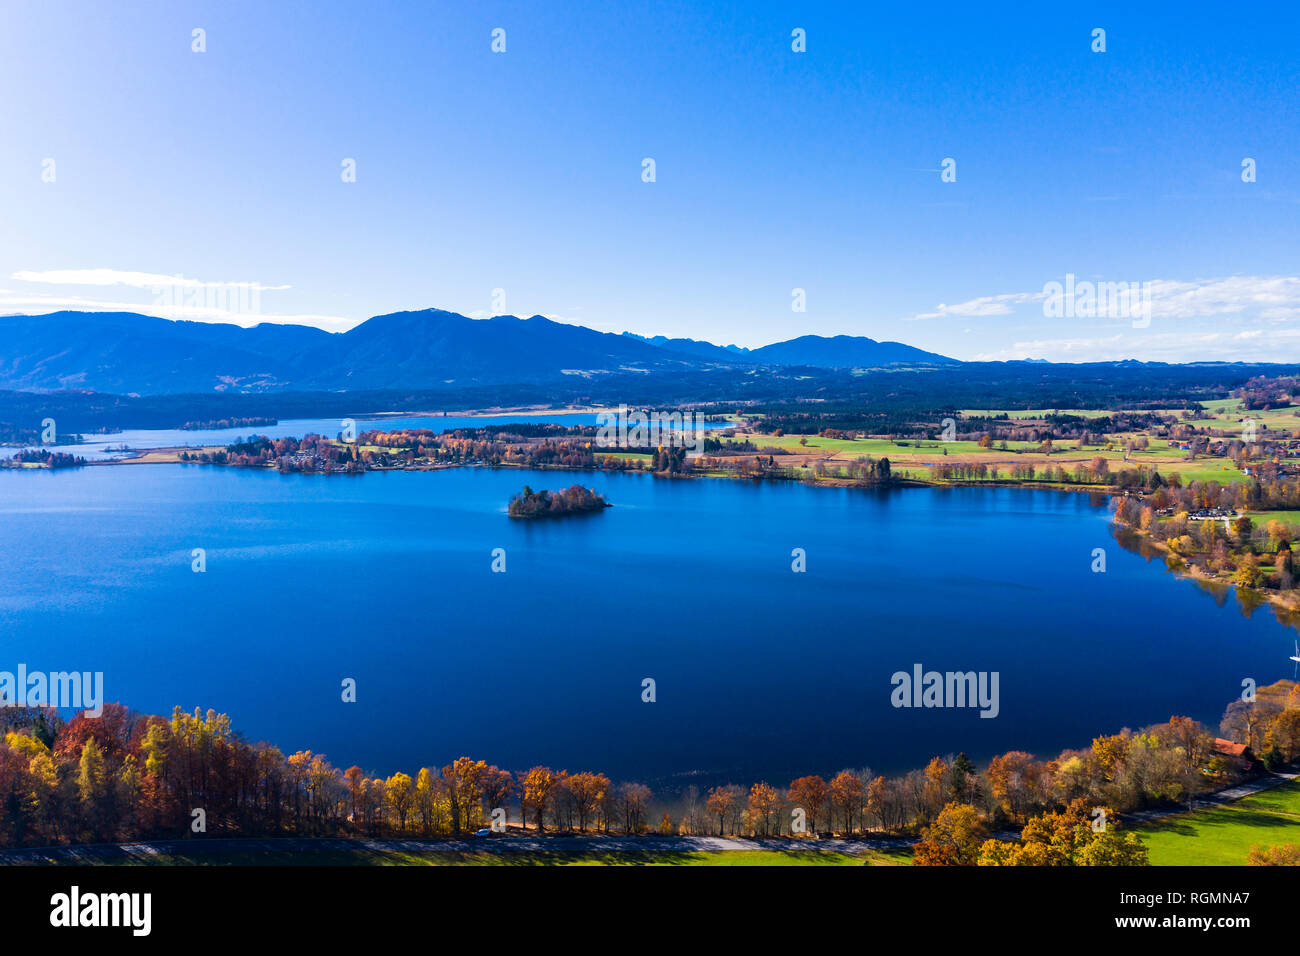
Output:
(175, 297)
(1246, 345)
(1241, 318)
(1270, 298)
(137, 280)
(985, 305)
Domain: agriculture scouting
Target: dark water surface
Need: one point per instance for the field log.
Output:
(760, 672)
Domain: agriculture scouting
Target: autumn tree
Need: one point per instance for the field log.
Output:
(538, 791)
(426, 799)
(937, 786)
(1285, 854)
(848, 796)
(464, 782)
(91, 786)
(498, 787)
(355, 776)
(719, 802)
(811, 794)
(954, 839)
(764, 805)
(1284, 734)
(1015, 779)
(398, 796)
(1078, 835)
(587, 790)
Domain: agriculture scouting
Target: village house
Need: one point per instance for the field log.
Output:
(1239, 756)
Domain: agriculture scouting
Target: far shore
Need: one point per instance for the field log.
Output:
(495, 412)
(171, 456)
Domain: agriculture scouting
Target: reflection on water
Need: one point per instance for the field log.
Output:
(1247, 601)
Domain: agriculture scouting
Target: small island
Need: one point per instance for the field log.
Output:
(551, 504)
(42, 458)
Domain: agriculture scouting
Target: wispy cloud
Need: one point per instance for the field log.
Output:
(1246, 345)
(1269, 298)
(1246, 318)
(985, 305)
(136, 280)
(174, 297)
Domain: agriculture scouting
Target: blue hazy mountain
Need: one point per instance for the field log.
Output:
(700, 349)
(845, 351)
(839, 351)
(124, 353)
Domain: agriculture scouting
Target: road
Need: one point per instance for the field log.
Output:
(143, 852)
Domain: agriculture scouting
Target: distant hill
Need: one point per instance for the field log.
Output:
(128, 353)
(840, 351)
(407, 349)
(124, 352)
(844, 351)
(717, 353)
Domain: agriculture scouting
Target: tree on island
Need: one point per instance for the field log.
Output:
(543, 504)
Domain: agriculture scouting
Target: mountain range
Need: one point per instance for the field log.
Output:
(129, 353)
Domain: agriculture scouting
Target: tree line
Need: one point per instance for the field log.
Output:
(131, 776)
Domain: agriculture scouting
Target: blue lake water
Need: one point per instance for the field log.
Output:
(760, 672)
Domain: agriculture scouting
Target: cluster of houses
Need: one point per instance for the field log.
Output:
(1203, 514)
(1271, 469)
(304, 461)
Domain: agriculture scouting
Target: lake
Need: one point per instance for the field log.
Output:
(759, 672)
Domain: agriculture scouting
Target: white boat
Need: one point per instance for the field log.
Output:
(1296, 658)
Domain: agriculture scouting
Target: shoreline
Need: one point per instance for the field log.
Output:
(170, 455)
(1193, 572)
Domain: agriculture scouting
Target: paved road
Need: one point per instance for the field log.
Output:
(216, 846)
(1218, 797)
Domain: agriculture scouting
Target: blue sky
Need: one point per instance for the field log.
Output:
(522, 171)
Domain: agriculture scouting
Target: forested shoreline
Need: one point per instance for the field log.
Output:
(126, 776)
(1202, 531)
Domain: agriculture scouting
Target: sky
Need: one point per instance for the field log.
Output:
(137, 173)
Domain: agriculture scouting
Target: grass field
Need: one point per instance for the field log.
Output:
(1261, 518)
(632, 455)
(1228, 413)
(917, 456)
(1223, 836)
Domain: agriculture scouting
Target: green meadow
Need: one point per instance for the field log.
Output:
(1223, 836)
